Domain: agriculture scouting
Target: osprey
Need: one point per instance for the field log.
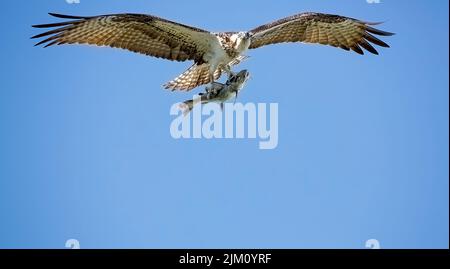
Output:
(212, 53)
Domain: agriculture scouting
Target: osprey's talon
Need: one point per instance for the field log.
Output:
(230, 73)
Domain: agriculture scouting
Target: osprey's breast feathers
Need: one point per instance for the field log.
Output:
(228, 42)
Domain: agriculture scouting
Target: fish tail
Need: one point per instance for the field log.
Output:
(186, 107)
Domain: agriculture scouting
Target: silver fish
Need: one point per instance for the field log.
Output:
(219, 92)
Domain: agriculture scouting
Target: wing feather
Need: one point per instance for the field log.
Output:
(138, 33)
(325, 29)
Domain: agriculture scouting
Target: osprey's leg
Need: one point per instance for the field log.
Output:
(212, 70)
(227, 70)
(211, 78)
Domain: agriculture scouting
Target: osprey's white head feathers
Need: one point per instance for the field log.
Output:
(241, 41)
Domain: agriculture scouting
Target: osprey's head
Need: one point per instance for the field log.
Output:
(241, 41)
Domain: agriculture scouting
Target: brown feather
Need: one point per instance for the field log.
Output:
(138, 33)
(196, 75)
(326, 29)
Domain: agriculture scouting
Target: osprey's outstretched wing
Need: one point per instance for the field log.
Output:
(144, 34)
(337, 31)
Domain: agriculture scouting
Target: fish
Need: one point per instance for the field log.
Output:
(218, 92)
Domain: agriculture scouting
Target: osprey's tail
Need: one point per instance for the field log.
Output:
(195, 76)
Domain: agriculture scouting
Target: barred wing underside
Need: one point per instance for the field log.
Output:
(334, 30)
(144, 34)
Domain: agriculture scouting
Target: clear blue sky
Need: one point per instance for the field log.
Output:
(86, 153)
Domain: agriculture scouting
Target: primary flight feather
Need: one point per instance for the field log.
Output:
(212, 53)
